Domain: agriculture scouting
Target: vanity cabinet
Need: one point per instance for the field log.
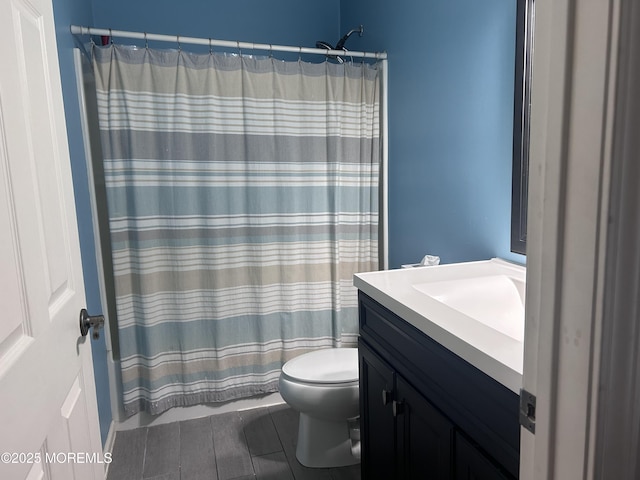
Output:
(471, 464)
(377, 385)
(426, 413)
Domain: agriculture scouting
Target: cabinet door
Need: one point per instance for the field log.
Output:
(425, 436)
(472, 464)
(377, 429)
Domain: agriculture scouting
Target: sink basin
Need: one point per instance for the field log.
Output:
(494, 300)
(474, 309)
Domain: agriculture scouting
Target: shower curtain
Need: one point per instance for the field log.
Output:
(242, 196)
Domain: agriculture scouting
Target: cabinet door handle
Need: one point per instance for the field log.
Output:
(398, 408)
(386, 396)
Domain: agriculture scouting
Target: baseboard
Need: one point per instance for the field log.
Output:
(108, 445)
(179, 414)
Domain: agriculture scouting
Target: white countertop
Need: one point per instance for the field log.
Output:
(498, 355)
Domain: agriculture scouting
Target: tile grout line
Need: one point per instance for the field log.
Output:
(144, 454)
(284, 452)
(213, 446)
(278, 434)
(253, 467)
(179, 449)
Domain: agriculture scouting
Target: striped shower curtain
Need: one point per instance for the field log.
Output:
(242, 196)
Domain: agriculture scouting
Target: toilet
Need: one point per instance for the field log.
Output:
(323, 386)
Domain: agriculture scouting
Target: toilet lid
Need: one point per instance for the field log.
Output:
(332, 365)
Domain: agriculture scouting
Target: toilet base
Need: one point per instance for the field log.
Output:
(323, 443)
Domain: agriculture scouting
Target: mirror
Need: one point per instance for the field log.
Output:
(522, 104)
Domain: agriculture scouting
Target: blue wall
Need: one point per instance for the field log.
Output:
(450, 116)
(451, 73)
(69, 12)
(288, 22)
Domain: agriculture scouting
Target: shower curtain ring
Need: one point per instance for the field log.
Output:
(270, 51)
(146, 41)
(299, 54)
(178, 40)
(238, 46)
(110, 37)
(210, 47)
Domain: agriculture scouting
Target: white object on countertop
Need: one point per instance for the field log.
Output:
(427, 261)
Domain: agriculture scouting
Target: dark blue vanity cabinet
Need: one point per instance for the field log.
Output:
(425, 412)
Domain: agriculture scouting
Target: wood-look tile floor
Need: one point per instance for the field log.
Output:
(251, 444)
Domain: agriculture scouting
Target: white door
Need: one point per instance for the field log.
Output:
(48, 412)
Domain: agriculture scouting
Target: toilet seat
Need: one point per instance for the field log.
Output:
(329, 366)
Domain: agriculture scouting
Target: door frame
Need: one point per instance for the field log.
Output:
(583, 242)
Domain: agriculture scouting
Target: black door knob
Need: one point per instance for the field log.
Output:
(87, 321)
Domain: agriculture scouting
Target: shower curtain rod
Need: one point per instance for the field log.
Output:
(78, 30)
